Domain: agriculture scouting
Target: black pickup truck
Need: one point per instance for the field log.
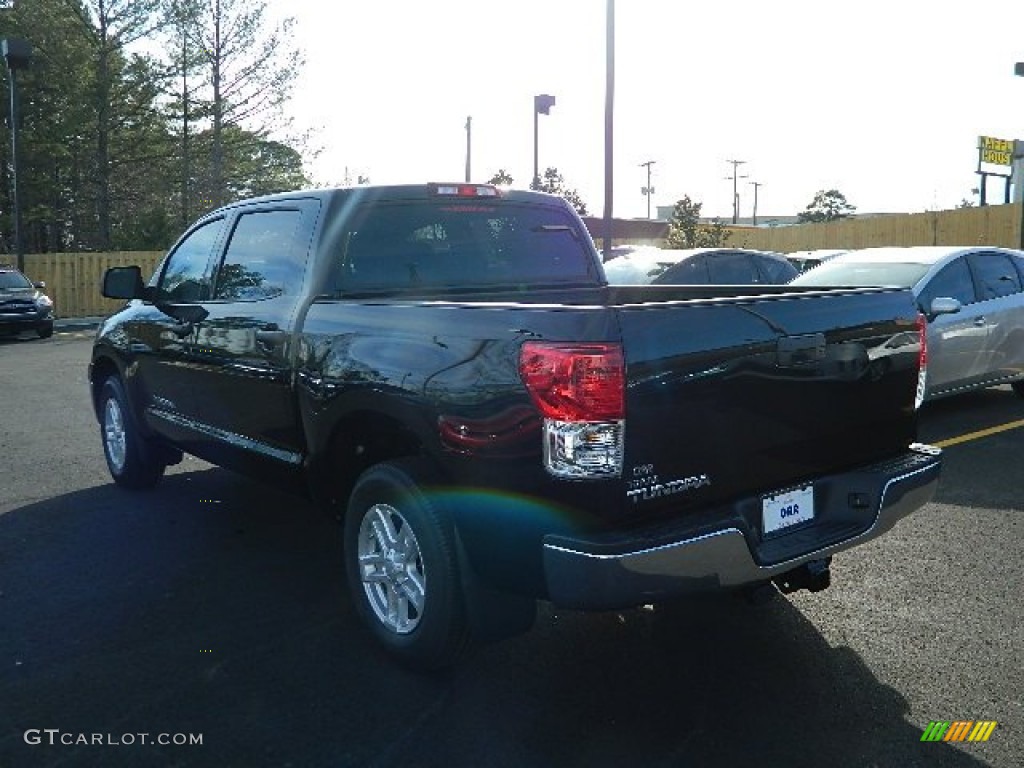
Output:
(445, 367)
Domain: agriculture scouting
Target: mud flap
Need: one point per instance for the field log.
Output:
(492, 615)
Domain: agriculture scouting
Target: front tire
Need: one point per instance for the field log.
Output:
(1018, 388)
(400, 560)
(130, 458)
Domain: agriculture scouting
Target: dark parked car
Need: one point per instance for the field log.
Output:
(699, 266)
(23, 305)
(972, 300)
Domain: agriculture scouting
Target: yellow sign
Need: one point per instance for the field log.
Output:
(995, 151)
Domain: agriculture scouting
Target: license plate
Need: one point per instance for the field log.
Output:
(787, 508)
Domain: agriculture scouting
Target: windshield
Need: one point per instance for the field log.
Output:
(13, 280)
(861, 274)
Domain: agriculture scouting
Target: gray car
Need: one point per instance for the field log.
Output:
(971, 298)
(23, 305)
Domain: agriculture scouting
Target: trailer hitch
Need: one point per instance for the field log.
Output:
(814, 576)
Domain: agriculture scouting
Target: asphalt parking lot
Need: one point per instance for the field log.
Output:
(216, 607)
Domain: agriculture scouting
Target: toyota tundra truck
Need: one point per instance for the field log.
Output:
(446, 368)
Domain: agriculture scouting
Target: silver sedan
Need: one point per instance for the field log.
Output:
(972, 299)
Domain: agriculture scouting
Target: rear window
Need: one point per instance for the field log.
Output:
(862, 274)
(455, 243)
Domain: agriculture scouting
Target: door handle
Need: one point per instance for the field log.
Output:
(270, 336)
(979, 322)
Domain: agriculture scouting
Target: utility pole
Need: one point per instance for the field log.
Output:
(648, 191)
(735, 194)
(755, 185)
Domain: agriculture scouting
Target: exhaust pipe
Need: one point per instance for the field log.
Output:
(814, 576)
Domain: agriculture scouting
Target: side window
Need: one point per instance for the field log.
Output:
(691, 271)
(996, 275)
(953, 281)
(186, 275)
(731, 269)
(261, 260)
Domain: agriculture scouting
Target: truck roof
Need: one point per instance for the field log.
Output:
(420, 191)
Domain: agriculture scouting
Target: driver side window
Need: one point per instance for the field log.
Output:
(953, 281)
(186, 276)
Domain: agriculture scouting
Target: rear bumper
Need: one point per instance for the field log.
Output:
(621, 570)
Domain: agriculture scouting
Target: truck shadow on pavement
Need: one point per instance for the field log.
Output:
(217, 606)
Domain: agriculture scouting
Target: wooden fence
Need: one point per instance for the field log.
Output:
(988, 225)
(73, 279)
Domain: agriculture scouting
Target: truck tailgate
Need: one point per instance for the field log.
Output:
(731, 397)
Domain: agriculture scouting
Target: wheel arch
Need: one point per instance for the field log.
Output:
(103, 367)
(356, 442)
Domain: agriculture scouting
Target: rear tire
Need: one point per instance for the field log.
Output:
(402, 568)
(1018, 388)
(131, 459)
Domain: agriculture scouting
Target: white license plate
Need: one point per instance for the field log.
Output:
(787, 508)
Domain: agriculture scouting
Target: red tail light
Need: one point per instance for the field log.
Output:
(922, 361)
(575, 382)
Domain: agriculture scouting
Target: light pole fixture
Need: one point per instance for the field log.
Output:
(648, 191)
(542, 104)
(17, 54)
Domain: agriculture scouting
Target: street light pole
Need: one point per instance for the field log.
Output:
(609, 124)
(541, 104)
(16, 53)
(469, 146)
(1018, 70)
(648, 190)
(735, 192)
(755, 185)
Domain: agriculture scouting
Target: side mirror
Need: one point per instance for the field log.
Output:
(123, 283)
(41, 285)
(943, 305)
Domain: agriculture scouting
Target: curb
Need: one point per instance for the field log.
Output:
(76, 323)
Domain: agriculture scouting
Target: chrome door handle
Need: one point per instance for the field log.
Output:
(270, 337)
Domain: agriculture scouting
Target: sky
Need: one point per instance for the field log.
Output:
(882, 100)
